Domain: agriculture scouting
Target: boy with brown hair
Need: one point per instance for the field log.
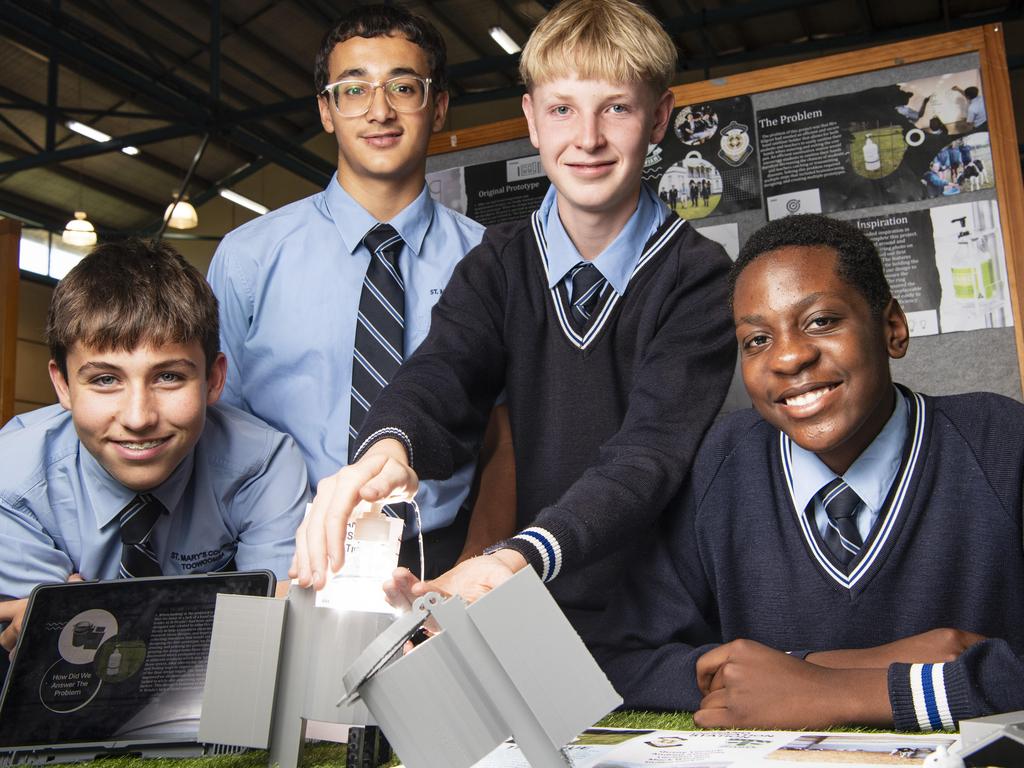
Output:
(602, 317)
(137, 471)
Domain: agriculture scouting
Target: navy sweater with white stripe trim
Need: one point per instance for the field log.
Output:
(603, 436)
(733, 563)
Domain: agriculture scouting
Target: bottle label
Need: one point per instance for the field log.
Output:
(371, 554)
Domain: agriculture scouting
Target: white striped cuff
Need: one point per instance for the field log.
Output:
(380, 434)
(928, 690)
(547, 546)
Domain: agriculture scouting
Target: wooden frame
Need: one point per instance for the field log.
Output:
(986, 41)
(10, 241)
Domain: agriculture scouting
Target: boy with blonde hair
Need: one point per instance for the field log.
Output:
(603, 317)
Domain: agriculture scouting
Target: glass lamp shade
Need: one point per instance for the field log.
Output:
(181, 215)
(79, 231)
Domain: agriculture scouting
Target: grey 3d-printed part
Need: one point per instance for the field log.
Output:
(510, 664)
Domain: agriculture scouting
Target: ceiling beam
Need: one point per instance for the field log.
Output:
(806, 49)
(185, 64)
(169, 91)
(149, 160)
(100, 186)
(202, 46)
(79, 151)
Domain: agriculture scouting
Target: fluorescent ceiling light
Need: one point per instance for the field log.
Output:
(502, 38)
(245, 202)
(88, 131)
(96, 135)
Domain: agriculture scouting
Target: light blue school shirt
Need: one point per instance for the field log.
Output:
(616, 262)
(289, 285)
(871, 475)
(240, 493)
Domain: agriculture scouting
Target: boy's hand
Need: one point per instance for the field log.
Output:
(381, 476)
(748, 685)
(11, 613)
(471, 579)
(933, 647)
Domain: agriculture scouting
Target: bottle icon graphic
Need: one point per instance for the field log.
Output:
(114, 663)
(872, 159)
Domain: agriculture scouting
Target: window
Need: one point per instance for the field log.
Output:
(43, 253)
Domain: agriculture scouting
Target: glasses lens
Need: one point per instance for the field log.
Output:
(406, 94)
(352, 97)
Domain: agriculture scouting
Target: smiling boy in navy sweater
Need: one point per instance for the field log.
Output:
(602, 317)
(891, 596)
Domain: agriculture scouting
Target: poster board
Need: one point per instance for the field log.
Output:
(857, 136)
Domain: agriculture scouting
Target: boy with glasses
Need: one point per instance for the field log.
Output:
(603, 318)
(322, 299)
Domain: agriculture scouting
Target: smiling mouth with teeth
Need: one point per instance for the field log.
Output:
(809, 397)
(143, 446)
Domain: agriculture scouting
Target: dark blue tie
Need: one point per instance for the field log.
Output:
(587, 285)
(380, 326)
(137, 521)
(842, 537)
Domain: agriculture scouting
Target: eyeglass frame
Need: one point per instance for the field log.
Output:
(374, 85)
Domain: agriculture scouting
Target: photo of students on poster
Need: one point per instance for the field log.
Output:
(891, 144)
(707, 163)
(945, 266)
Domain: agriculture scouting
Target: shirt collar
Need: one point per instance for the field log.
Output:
(871, 475)
(616, 262)
(108, 497)
(353, 221)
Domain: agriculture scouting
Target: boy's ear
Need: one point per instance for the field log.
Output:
(897, 332)
(323, 103)
(440, 111)
(216, 378)
(528, 111)
(662, 114)
(60, 385)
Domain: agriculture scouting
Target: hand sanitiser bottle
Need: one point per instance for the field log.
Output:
(372, 541)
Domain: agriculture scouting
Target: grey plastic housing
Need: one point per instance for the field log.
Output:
(510, 664)
(274, 664)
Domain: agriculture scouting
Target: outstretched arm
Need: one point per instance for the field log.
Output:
(381, 476)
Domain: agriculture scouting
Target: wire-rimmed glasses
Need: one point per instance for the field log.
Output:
(353, 98)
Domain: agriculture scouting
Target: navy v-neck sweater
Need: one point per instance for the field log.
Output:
(605, 424)
(737, 560)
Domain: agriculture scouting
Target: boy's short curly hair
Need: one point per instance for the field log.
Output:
(382, 21)
(859, 264)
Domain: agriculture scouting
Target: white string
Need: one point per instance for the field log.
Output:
(419, 536)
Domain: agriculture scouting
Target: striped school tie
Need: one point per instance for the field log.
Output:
(587, 285)
(842, 537)
(380, 326)
(137, 521)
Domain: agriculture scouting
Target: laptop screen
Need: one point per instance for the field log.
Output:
(115, 663)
